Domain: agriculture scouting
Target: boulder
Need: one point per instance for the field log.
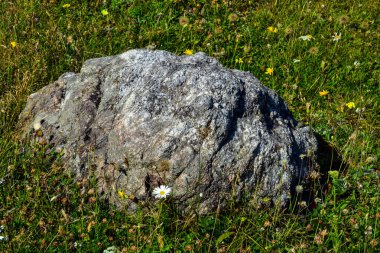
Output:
(147, 118)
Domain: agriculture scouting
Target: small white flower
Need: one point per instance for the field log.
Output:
(2, 180)
(77, 244)
(356, 64)
(161, 192)
(299, 189)
(3, 238)
(336, 36)
(303, 204)
(368, 230)
(201, 194)
(359, 110)
(36, 126)
(1, 229)
(111, 249)
(305, 37)
(296, 60)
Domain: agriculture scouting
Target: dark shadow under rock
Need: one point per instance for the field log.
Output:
(316, 184)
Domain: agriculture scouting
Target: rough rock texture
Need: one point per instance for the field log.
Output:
(146, 118)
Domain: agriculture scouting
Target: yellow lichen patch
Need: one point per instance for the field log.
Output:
(204, 132)
(164, 165)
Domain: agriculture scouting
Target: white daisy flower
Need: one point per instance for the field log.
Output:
(336, 36)
(161, 192)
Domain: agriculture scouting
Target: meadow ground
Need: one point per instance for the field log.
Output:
(322, 57)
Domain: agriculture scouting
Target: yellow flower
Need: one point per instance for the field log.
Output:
(269, 71)
(66, 6)
(272, 29)
(350, 105)
(333, 174)
(104, 12)
(13, 44)
(121, 194)
(239, 60)
(266, 200)
(323, 93)
(188, 52)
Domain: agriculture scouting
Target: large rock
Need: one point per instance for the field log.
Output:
(146, 118)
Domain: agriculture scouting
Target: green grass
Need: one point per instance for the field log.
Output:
(42, 207)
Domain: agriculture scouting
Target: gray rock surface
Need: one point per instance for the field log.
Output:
(145, 118)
